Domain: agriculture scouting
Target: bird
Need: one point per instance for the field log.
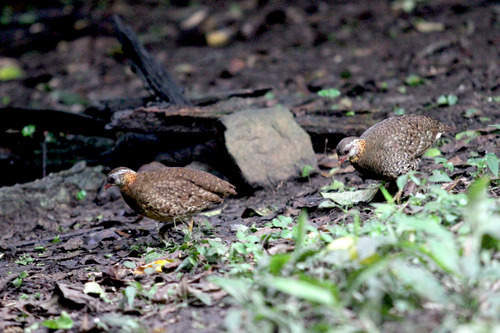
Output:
(391, 147)
(169, 194)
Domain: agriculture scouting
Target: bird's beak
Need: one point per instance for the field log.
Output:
(107, 186)
(342, 159)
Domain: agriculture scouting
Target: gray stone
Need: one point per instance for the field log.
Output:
(267, 145)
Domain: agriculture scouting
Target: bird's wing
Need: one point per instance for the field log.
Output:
(186, 190)
(409, 135)
(205, 181)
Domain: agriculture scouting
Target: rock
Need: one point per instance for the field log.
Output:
(152, 166)
(57, 191)
(267, 145)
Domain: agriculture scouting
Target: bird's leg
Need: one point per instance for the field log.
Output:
(397, 196)
(409, 188)
(138, 219)
(190, 225)
(169, 230)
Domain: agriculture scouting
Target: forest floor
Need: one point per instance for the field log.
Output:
(78, 266)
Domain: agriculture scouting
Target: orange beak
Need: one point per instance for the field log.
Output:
(342, 159)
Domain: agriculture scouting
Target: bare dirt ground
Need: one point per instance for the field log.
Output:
(366, 49)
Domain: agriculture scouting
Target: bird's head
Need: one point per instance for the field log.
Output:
(351, 147)
(120, 177)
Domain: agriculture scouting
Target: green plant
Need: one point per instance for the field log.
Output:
(5, 100)
(467, 136)
(483, 164)
(377, 270)
(329, 93)
(152, 255)
(28, 18)
(269, 96)
(445, 163)
(399, 111)
(64, 321)
(493, 99)
(10, 72)
(334, 186)
(407, 6)
(432, 152)
(94, 288)
(383, 86)
(136, 290)
(470, 113)
(82, 194)
(69, 98)
(18, 281)
(307, 170)
(6, 16)
(24, 260)
(345, 74)
(447, 100)
(28, 130)
(414, 80)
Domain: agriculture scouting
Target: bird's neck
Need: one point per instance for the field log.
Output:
(361, 144)
(128, 179)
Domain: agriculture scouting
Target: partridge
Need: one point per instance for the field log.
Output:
(392, 147)
(169, 194)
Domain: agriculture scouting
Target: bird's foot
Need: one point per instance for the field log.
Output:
(138, 219)
(168, 233)
(404, 192)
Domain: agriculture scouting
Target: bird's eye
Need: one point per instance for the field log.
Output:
(112, 180)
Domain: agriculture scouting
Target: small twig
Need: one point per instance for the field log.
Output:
(434, 48)
(44, 158)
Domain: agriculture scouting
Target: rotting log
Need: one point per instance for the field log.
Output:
(195, 119)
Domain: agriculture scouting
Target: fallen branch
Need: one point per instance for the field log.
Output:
(147, 68)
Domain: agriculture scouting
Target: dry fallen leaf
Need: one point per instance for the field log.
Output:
(349, 197)
(156, 266)
(426, 27)
(218, 38)
(335, 171)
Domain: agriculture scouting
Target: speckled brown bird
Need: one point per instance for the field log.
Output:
(169, 194)
(392, 147)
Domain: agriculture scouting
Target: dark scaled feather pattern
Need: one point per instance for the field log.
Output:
(392, 147)
(169, 194)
